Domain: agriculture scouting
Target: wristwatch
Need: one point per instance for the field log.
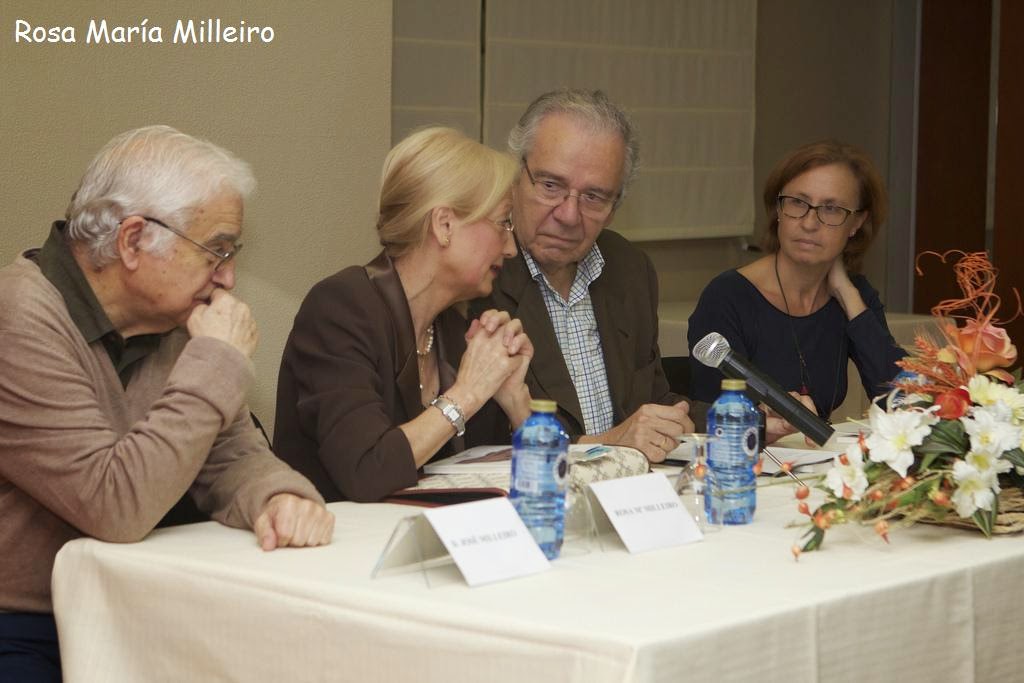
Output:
(451, 410)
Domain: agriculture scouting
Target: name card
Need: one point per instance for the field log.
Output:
(487, 540)
(645, 512)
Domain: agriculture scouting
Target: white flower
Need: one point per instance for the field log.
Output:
(983, 391)
(1015, 402)
(973, 490)
(893, 435)
(990, 431)
(988, 466)
(850, 475)
(986, 392)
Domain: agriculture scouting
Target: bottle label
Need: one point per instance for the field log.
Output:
(540, 471)
(750, 442)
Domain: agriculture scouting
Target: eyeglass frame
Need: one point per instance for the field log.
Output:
(779, 200)
(612, 201)
(509, 229)
(222, 258)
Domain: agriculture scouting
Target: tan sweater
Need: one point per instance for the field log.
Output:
(80, 455)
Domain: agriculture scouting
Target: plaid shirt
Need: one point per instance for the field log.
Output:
(576, 329)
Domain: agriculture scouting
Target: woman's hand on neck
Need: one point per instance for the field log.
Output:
(845, 292)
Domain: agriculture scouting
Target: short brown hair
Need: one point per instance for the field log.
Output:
(873, 197)
(438, 167)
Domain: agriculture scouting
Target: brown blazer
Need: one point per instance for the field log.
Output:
(349, 378)
(625, 299)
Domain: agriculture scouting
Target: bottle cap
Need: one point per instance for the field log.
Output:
(540, 405)
(734, 385)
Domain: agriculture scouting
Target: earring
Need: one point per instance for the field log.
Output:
(447, 241)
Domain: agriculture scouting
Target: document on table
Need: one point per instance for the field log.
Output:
(498, 460)
(467, 480)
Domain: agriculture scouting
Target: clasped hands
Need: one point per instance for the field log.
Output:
(498, 353)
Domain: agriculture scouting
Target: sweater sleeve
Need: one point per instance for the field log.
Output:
(872, 347)
(61, 447)
(242, 474)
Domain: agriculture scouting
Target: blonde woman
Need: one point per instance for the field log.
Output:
(377, 377)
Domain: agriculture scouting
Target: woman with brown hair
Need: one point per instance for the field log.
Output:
(802, 310)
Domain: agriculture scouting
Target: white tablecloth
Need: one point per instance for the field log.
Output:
(204, 603)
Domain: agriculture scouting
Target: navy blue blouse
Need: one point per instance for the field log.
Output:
(732, 306)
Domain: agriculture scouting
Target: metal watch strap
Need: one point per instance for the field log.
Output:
(451, 410)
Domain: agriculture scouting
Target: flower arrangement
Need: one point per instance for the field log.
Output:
(952, 434)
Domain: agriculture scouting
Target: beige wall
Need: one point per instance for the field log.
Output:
(310, 111)
(822, 71)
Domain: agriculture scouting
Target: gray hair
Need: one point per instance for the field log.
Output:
(153, 171)
(589, 106)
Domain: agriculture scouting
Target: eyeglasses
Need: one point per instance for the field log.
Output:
(221, 256)
(505, 224)
(829, 214)
(552, 193)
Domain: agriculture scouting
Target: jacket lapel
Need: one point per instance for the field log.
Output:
(611, 312)
(382, 273)
(547, 368)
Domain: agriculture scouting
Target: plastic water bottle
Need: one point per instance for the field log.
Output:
(733, 420)
(540, 469)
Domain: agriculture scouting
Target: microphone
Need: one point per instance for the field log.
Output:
(714, 351)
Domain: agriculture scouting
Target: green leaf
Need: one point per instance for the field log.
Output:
(947, 436)
(1016, 456)
(984, 519)
(927, 460)
(817, 537)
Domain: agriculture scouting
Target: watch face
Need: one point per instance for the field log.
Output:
(452, 412)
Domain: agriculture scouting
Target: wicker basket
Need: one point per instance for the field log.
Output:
(1010, 519)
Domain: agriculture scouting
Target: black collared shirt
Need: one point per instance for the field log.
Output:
(58, 265)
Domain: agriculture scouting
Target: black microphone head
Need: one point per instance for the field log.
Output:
(711, 350)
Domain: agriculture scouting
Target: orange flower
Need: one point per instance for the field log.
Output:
(987, 345)
(953, 404)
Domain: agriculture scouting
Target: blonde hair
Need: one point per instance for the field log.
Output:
(436, 167)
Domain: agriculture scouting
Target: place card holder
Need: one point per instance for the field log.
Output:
(586, 524)
(413, 545)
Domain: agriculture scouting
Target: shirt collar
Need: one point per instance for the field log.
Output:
(58, 265)
(588, 268)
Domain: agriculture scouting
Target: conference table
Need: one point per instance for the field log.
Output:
(204, 603)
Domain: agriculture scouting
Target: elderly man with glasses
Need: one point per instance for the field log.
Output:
(586, 297)
(123, 377)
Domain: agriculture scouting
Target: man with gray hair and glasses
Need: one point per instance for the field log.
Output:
(123, 376)
(586, 297)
